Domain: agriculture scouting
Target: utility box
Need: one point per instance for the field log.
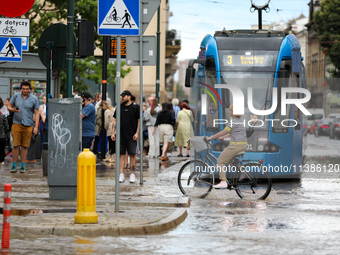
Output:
(64, 145)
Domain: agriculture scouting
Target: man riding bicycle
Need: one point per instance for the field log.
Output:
(114, 13)
(238, 143)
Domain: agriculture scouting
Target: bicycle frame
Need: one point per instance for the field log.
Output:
(236, 162)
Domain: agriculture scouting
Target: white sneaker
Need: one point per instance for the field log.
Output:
(121, 178)
(169, 154)
(132, 178)
(221, 185)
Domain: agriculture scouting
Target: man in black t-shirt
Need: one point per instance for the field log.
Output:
(129, 133)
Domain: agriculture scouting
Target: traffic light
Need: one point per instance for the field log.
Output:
(86, 45)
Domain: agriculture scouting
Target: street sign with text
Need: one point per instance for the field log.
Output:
(113, 48)
(14, 27)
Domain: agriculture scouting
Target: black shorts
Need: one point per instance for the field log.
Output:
(129, 146)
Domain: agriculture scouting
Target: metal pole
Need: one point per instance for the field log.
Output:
(260, 18)
(106, 52)
(141, 94)
(70, 53)
(48, 84)
(158, 51)
(117, 125)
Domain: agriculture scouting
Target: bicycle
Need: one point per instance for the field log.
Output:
(110, 18)
(247, 177)
(9, 29)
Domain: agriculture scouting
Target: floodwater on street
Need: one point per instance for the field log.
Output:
(299, 217)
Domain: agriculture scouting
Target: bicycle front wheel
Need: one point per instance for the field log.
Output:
(252, 182)
(195, 179)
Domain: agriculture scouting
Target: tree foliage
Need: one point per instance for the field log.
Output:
(327, 28)
(47, 12)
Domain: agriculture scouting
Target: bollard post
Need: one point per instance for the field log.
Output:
(86, 189)
(6, 215)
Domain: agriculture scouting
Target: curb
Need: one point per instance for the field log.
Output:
(102, 229)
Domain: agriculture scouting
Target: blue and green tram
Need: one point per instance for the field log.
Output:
(260, 60)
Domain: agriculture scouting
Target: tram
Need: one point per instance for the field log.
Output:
(260, 61)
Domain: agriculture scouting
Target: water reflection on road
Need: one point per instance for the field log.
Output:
(300, 217)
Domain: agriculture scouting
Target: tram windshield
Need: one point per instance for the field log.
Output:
(261, 84)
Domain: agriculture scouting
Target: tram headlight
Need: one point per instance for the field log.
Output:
(264, 145)
(260, 147)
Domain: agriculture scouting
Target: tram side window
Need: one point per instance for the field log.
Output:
(277, 125)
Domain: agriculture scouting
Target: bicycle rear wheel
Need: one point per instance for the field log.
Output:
(252, 182)
(195, 179)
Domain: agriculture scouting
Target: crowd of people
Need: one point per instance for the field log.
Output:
(169, 125)
(164, 127)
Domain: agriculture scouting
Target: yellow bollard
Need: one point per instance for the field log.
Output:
(86, 189)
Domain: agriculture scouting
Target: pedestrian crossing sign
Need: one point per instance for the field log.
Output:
(118, 17)
(11, 49)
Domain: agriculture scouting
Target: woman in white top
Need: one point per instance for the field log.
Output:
(42, 127)
(150, 116)
(3, 108)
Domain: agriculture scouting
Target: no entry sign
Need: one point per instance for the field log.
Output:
(15, 8)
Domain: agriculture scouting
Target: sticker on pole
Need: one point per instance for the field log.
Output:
(118, 17)
(11, 49)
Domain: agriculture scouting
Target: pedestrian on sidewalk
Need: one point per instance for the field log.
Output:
(26, 112)
(98, 128)
(165, 120)
(150, 117)
(42, 125)
(171, 144)
(9, 135)
(145, 133)
(88, 123)
(129, 133)
(4, 129)
(109, 111)
(184, 130)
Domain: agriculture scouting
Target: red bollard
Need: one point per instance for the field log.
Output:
(7, 214)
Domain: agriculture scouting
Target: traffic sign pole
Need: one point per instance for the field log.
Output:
(106, 43)
(141, 144)
(117, 125)
(158, 51)
(69, 53)
(48, 83)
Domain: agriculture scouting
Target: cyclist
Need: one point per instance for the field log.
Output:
(238, 143)
(114, 14)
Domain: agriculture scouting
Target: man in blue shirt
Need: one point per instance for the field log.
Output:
(89, 119)
(26, 111)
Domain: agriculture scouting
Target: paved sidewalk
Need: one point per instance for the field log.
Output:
(143, 209)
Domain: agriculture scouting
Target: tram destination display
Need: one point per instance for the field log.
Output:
(247, 60)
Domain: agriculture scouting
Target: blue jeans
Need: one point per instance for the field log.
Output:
(86, 142)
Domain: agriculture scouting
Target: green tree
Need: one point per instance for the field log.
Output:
(180, 94)
(91, 68)
(47, 12)
(327, 28)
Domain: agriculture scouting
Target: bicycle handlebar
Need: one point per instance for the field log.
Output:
(208, 142)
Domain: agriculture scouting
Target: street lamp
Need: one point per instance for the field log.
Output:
(259, 8)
